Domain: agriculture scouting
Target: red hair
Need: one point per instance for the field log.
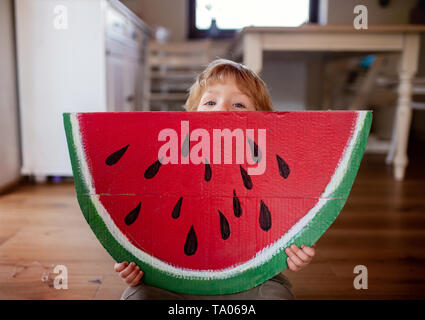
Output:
(247, 80)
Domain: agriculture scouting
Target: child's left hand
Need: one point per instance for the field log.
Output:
(298, 258)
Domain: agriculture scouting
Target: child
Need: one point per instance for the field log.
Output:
(223, 86)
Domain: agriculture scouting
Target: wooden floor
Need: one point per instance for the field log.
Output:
(381, 227)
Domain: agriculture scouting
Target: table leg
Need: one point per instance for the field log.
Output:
(408, 68)
(253, 52)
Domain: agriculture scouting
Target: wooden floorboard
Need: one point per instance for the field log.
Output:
(382, 227)
(41, 227)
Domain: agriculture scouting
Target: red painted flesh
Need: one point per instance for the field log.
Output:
(311, 143)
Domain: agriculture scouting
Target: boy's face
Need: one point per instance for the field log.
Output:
(225, 96)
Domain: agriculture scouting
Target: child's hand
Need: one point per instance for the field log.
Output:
(130, 273)
(299, 258)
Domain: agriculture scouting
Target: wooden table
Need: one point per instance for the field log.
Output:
(251, 42)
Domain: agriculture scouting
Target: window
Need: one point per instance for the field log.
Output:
(221, 18)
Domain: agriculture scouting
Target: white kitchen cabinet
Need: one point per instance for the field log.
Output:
(74, 56)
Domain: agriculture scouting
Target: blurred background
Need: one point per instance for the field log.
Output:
(142, 55)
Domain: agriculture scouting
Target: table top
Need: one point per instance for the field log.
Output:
(401, 28)
(373, 30)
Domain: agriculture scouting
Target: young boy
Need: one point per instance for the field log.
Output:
(223, 86)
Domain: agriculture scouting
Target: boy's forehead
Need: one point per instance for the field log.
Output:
(215, 87)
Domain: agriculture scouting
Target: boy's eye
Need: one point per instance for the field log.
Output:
(210, 103)
(238, 105)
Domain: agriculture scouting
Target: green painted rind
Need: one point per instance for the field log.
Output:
(245, 280)
(80, 186)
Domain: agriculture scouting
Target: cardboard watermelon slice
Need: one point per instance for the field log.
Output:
(205, 226)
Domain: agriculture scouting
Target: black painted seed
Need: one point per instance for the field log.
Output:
(265, 217)
(255, 150)
(283, 167)
(132, 215)
(176, 211)
(237, 209)
(185, 147)
(208, 172)
(247, 182)
(191, 243)
(224, 226)
(114, 157)
(152, 170)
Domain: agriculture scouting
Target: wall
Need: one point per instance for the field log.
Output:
(341, 12)
(171, 14)
(285, 76)
(9, 138)
(294, 79)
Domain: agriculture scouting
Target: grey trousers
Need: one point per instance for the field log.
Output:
(277, 288)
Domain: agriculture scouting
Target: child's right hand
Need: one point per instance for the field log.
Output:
(130, 273)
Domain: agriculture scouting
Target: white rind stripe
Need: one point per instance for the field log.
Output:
(76, 135)
(261, 257)
(343, 163)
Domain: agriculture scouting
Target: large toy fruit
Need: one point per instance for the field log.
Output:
(199, 226)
